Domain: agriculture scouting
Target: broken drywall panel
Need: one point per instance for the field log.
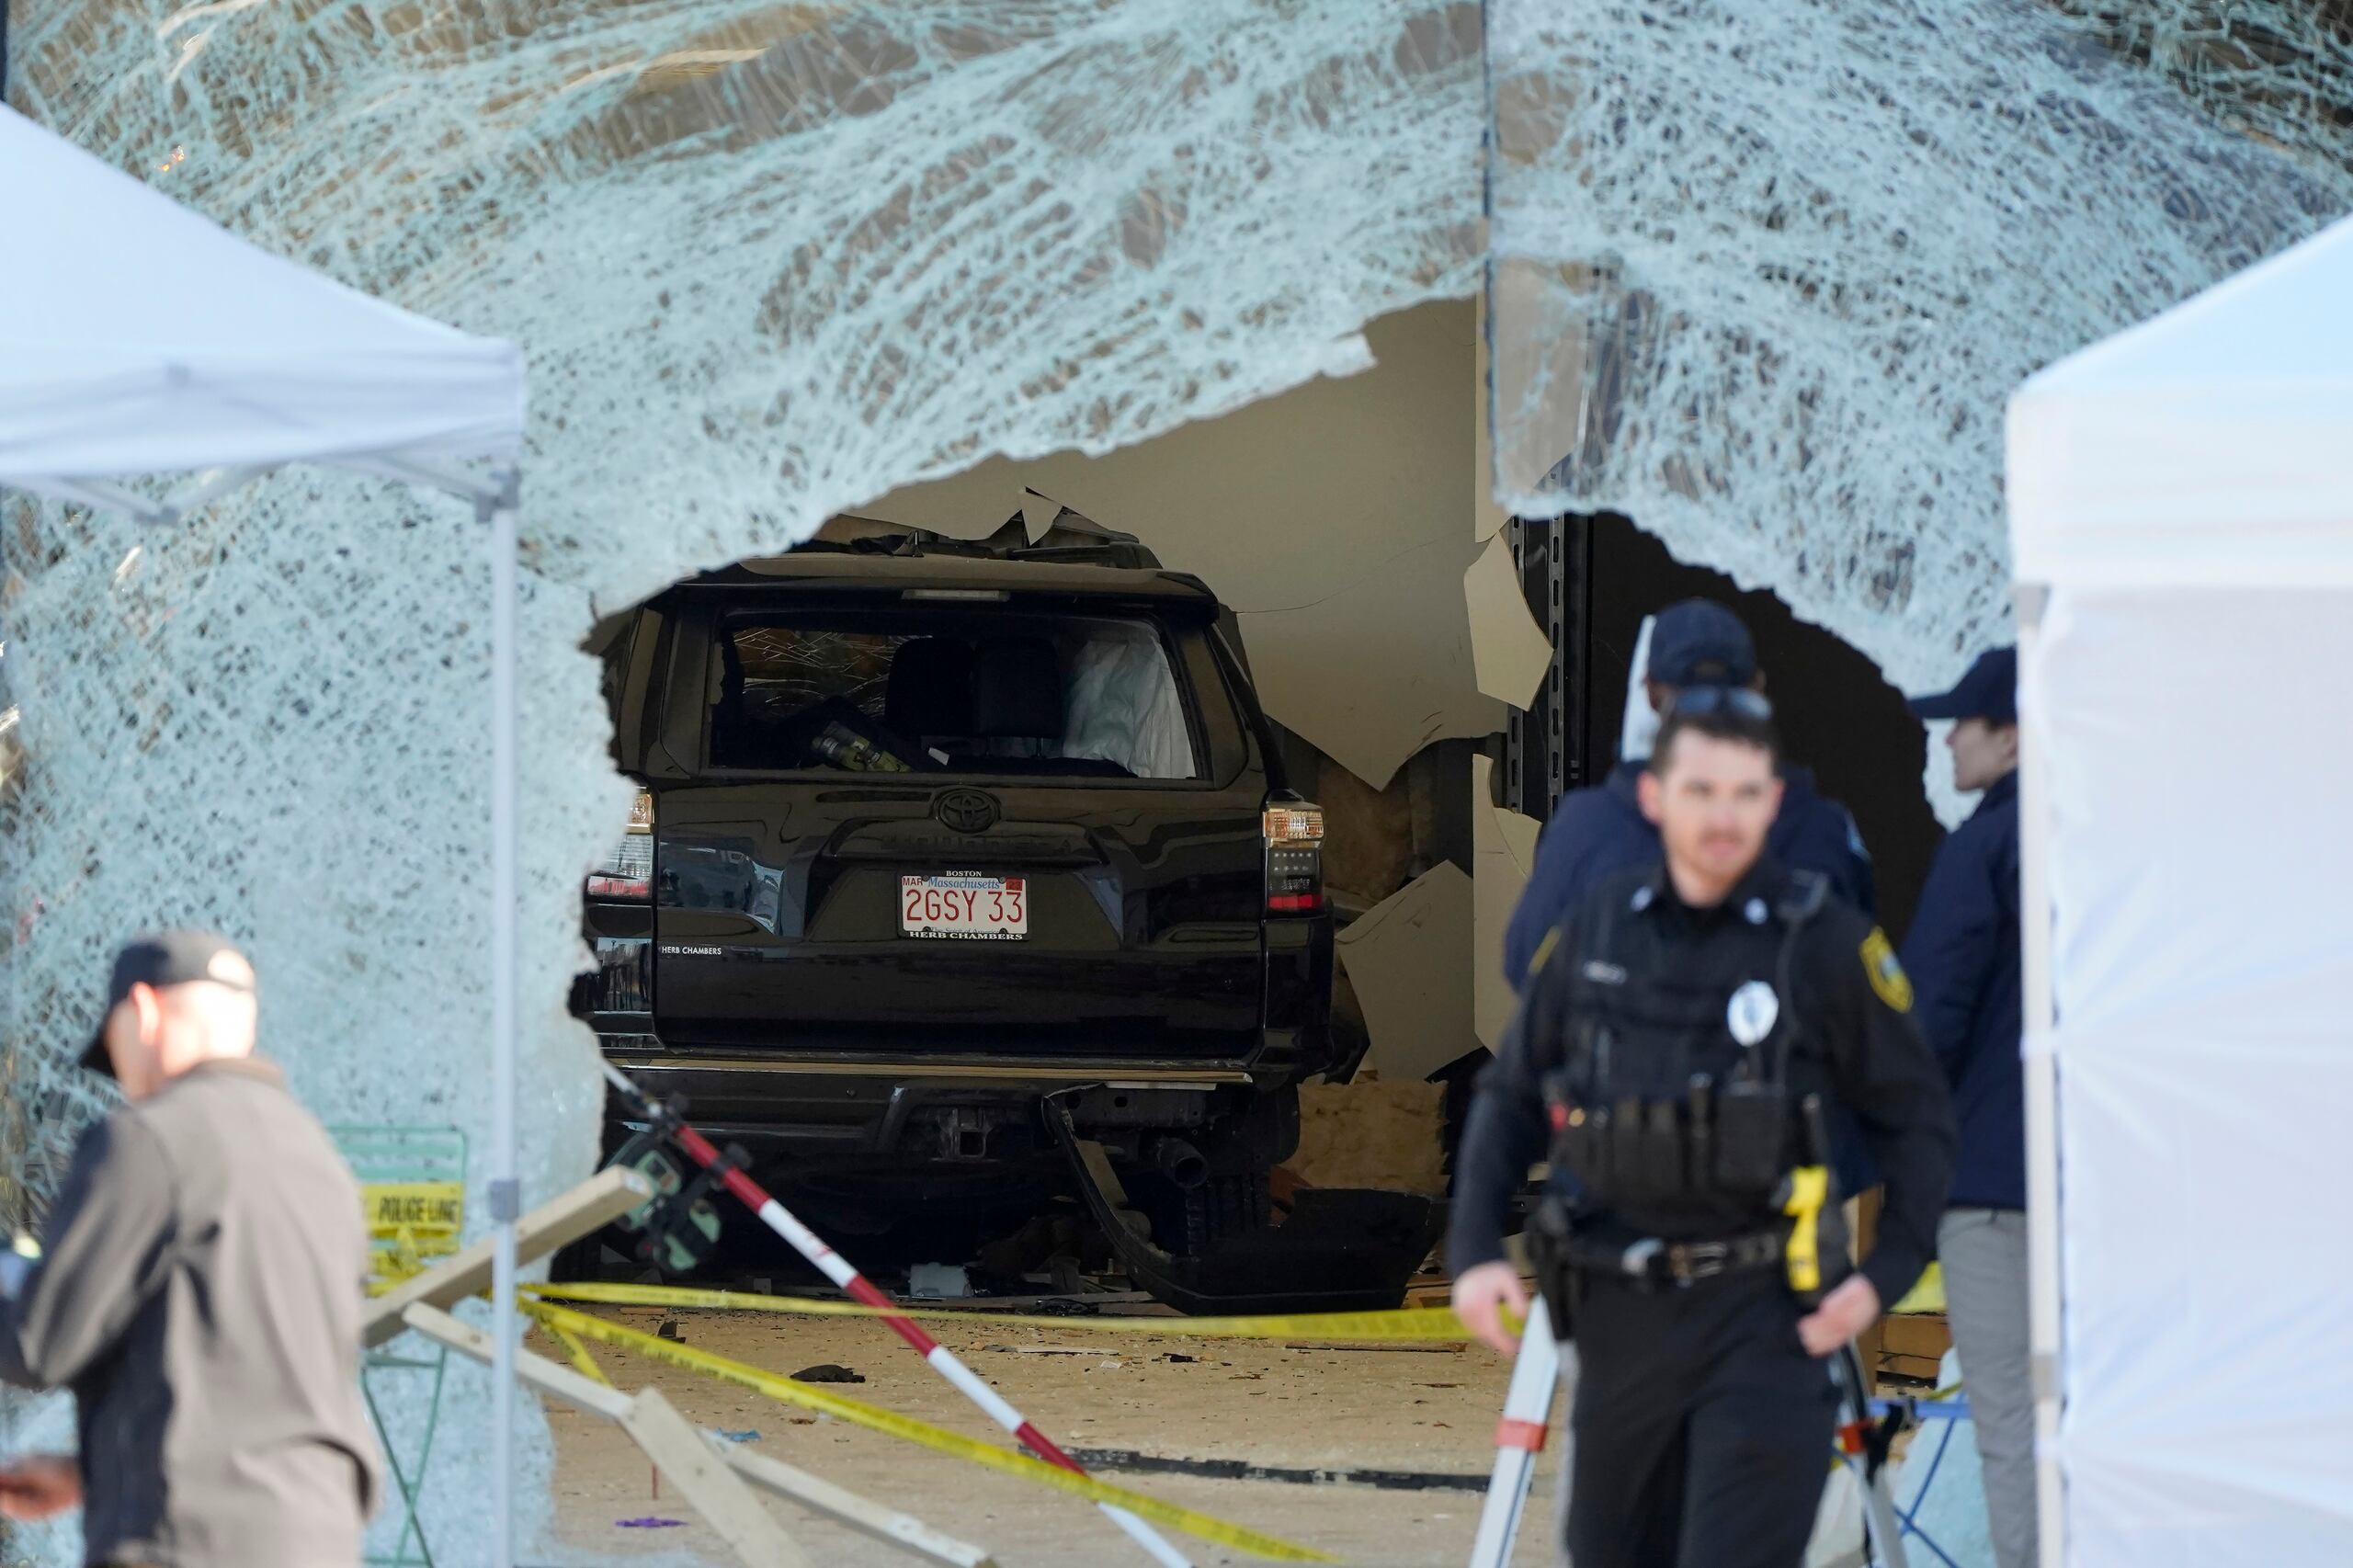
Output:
(1495, 887)
(1378, 669)
(1639, 726)
(1409, 961)
(1508, 650)
(1038, 514)
(1520, 835)
(1502, 854)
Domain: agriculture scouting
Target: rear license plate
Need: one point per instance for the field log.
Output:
(961, 907)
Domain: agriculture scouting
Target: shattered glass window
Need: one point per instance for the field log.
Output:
(1765, 275)
(788, 669)
(768, 262)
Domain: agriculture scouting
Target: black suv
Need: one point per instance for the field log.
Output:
(958, 868)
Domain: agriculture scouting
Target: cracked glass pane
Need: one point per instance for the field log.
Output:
(1765, 275)
(769, 262)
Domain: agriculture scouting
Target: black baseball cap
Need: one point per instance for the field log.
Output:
(161, 959)
(1989, 691)
(1699, 643)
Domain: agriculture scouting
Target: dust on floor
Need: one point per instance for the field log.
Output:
(1290, 1407)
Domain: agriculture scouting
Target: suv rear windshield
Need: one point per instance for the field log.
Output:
(1024, 693)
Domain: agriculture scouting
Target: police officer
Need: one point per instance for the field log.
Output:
(1601, 829)
(1962, 954)
(1683, 1035)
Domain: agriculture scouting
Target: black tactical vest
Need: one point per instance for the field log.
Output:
(1675, 1105)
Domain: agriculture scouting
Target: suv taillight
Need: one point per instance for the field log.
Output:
(628, 871)
(1294, 834)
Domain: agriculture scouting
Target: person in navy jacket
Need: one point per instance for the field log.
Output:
(1962, 956)
(1600, 830)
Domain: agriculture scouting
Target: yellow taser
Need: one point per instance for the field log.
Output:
(1803, 1192)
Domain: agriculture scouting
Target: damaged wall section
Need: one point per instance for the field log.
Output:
(767, 262)
(1328, 518)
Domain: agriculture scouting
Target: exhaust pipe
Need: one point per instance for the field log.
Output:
(1180, 1163)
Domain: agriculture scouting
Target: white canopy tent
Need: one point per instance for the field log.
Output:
(138, 338)
(2182, 502)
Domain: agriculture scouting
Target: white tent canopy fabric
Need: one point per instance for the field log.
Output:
(138, 338)
(2182, 512)
(2206, 446)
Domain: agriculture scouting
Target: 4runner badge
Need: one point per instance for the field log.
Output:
(966, 810)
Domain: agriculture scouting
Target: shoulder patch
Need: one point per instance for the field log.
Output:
(1886, 976)
(1544, 951)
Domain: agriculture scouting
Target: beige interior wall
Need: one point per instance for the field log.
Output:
(1338, 519)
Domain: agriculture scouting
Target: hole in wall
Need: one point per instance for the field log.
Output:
(1838, 714)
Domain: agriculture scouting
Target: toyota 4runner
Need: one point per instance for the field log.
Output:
(946, 854)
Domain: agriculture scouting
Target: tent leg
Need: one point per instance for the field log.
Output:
(2041, 1066)
(498, 513)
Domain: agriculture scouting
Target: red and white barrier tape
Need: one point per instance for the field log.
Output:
(839, 1269)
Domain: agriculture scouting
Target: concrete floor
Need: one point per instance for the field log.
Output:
(1425, 1411)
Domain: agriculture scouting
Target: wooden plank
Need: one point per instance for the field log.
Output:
(888, 1525)
(719, 1495)
(548, 1376)
(603, 1198)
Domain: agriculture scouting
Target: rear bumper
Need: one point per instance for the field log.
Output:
(964, 1110)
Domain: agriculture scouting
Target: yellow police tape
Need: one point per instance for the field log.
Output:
(576, 1349)
(1404, 1326)
(938, 1438)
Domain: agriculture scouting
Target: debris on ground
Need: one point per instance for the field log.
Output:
(938, 1282)
(650, 1523)
(827, 1373)
(748, 1435)
(1328, 1444)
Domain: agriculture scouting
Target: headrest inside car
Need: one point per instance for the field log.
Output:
(930, 689)
(1017, 690)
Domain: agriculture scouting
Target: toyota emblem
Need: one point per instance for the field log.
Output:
(966, 810)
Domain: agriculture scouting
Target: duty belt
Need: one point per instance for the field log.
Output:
(1655, 1260)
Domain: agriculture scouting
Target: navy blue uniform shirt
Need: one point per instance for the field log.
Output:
(1963, 955)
